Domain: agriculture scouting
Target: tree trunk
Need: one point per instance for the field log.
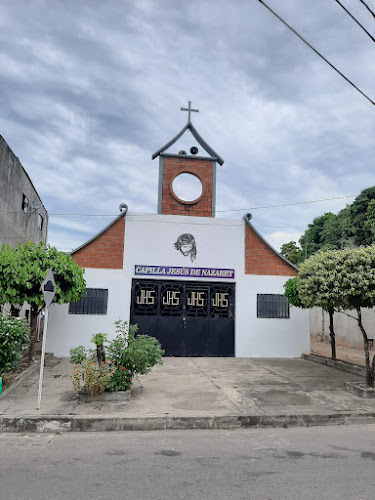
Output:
(100, 354)
(369, 371)
(33, 331)
(332, 334)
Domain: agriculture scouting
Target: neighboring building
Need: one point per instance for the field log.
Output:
(22, 213)
(202, 286)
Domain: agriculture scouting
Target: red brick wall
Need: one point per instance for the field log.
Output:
(173, 206)
(260, 259)
(106, 251)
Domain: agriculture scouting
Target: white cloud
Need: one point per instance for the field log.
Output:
(88, 92)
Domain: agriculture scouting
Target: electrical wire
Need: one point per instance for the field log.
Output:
(316, 52)
(288, 204)
(355, 20)
(217, 211)
(368, 8)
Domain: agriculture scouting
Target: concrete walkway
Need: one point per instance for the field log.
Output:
(193, 393)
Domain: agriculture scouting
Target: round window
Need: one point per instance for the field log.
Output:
(187, 187)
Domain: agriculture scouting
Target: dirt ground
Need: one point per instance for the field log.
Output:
(343, 353)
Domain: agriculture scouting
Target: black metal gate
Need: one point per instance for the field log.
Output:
(187, 317)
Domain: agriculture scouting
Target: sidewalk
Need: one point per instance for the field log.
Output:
(194, 393)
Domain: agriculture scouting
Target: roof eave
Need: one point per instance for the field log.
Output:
(122, 214)
(198, 138)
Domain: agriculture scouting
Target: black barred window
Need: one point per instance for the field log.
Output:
(272, 306)
(94, 302)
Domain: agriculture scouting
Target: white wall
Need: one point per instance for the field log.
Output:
(347, 332)
(71, 330)
(149, 241)
(267, 337)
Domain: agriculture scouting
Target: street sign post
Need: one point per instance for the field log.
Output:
(49, 289)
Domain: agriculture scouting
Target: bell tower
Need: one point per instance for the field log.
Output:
(187, 179)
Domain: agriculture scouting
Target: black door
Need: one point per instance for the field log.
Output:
(188, 318)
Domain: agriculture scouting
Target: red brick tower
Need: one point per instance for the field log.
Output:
(200, 169)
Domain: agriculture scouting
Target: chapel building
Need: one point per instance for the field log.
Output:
(203, 286)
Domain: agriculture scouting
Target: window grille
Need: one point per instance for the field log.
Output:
(272, 306)
(95, 302)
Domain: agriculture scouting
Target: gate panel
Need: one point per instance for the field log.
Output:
(188, 318)
(221, 324)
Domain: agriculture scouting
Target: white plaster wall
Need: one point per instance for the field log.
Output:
(267, 337)
(71, 330)
(347, 331)
(149, 241)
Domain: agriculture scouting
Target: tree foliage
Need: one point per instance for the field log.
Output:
(353, 226)
(338, 278)
(341, 279)
(291, 252)
(23, 269)
(14, 336)
(314, 237)
(291, 292)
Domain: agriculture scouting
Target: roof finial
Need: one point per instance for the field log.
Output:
(189, 109)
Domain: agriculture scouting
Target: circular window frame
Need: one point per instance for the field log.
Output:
(184, 202)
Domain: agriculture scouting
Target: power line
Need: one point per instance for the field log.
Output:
(218, 211)
(316, 52)
(288, 204)
(355, 20)
(367, 7)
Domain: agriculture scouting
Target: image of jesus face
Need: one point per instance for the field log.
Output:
(186, 244)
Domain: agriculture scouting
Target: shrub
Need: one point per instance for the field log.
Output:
(91, 378)
(78, 355)
(14, 336)
(98, 339)
(130, 354)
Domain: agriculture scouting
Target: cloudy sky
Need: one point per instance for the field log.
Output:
(90, 89)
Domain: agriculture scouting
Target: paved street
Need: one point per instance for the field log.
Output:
(309, 463)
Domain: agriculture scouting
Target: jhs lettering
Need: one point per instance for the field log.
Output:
(146, 297)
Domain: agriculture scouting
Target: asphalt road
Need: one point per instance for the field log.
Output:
(303, 463)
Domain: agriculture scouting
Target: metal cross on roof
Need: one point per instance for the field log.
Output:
(189, 109)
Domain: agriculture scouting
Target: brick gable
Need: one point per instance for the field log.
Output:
(261, 259)
(105, 251)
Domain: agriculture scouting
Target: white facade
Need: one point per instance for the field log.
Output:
(220, 243)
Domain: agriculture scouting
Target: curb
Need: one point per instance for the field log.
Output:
(68, 423)
(340, 365)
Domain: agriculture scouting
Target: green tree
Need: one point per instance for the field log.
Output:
(370, 218)
(312, 240)
(291, 292)
(361, 234)
(341, 279)
(314, 285)
(22, 271)
(291, 252)
(353, 226)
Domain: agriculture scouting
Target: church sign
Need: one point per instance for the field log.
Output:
(193, 272)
